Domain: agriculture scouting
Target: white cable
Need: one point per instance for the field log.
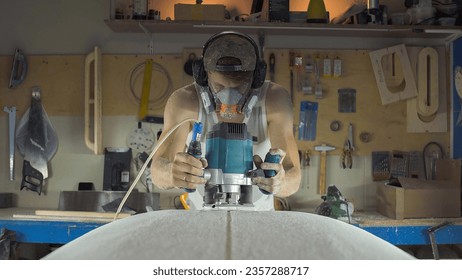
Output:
(155, 103)
(140, 173)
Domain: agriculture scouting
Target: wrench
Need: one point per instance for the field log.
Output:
(11, 134)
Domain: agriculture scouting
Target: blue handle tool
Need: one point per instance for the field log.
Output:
(270, 173)
(273, 159)
(194, 147)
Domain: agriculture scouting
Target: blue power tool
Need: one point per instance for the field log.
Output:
(229, 154)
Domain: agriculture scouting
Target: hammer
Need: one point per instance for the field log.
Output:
(323, 149)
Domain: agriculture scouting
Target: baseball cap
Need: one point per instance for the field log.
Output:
(230, 46)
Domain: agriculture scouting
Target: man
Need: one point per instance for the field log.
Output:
(230, 87)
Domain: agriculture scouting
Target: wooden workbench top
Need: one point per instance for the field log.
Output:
(364, 219)
(56, 215)
(375, 219)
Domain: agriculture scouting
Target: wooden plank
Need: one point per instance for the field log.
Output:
(57, 213)
(81, 216)
(375, 219)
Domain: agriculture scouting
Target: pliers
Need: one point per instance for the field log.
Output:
(347, 161)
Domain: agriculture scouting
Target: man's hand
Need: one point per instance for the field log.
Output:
(274, 184)
(188, 171)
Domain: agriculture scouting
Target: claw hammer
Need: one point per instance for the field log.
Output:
(323, 149)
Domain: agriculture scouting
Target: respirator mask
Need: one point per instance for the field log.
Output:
(231, 96)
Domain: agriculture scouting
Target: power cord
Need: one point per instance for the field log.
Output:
(140, 173)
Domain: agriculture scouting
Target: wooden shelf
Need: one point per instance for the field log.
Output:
(281, 28)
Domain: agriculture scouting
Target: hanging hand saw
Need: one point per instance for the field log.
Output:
(18, 69)
(37, 143)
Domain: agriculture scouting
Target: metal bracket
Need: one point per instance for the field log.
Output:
(18, 69)
(431, 233)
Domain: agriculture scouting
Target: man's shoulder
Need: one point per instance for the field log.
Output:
(276, 93)
(183, 103)
(185, 94)
(274, 88)
(188, 89)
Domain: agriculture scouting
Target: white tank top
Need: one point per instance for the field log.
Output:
(257, 126)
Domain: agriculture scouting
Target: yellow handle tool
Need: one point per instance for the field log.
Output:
(144, 102)
(323, 149)
(183, 198)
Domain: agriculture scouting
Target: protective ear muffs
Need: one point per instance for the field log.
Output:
(200, 75)
(259, 74)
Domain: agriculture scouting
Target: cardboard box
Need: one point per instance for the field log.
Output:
(440, 198)
(199, 12)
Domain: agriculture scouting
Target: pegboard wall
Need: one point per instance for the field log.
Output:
(62, 79)
(386, 124)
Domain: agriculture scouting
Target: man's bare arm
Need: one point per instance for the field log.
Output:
(171, 167)
(280, 126)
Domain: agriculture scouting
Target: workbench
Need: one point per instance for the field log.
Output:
(410, 231)
(30, 229)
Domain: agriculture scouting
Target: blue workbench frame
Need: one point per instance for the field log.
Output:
(416, 235)
(62, 232)
(53, 232)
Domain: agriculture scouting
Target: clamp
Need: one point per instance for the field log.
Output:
(431, 232)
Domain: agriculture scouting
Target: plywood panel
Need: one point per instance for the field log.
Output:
(386, 123)
(61, 79)
(119, 70)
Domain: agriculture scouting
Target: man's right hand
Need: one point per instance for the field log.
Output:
(188, 171)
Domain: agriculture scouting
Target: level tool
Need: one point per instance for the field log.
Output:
(144, 103)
